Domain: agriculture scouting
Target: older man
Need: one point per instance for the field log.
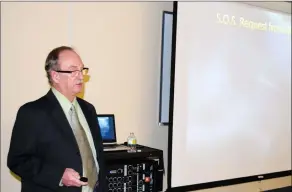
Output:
(56, 139)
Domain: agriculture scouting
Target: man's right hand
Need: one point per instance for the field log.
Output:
(71, 178)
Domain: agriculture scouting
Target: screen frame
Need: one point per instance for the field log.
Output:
(114, 127)
(164, 74)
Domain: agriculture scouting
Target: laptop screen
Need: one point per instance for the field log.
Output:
(107, 127)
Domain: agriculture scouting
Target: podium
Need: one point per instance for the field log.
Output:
(140, 171)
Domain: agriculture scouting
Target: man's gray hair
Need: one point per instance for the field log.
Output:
(52, 60)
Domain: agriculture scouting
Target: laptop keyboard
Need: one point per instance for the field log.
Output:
(111, 146)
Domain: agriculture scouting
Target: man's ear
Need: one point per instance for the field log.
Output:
(55, 76)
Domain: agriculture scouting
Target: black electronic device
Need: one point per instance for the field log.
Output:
(107, 128)
(135, 176)
(108, 133)
(134, 172)
(83, 179)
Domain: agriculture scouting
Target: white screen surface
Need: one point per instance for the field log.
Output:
(232, 95)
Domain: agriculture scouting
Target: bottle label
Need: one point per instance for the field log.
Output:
(132, 141)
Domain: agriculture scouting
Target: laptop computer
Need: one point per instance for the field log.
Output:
(108, 132)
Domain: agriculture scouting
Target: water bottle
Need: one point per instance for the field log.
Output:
(132, 142)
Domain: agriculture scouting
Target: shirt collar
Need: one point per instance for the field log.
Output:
(64, 102)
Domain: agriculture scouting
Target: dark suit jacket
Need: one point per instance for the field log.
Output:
(43, 145)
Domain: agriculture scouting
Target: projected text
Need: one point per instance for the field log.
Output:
(242, 22)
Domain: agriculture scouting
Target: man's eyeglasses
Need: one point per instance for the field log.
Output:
(83, 71)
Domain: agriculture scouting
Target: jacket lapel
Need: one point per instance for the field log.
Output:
(59, 118)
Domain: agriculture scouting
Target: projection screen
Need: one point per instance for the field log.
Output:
(231, 115)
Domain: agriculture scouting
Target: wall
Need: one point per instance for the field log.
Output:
(119, 42)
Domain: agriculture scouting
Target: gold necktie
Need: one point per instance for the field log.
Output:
(89, 168)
